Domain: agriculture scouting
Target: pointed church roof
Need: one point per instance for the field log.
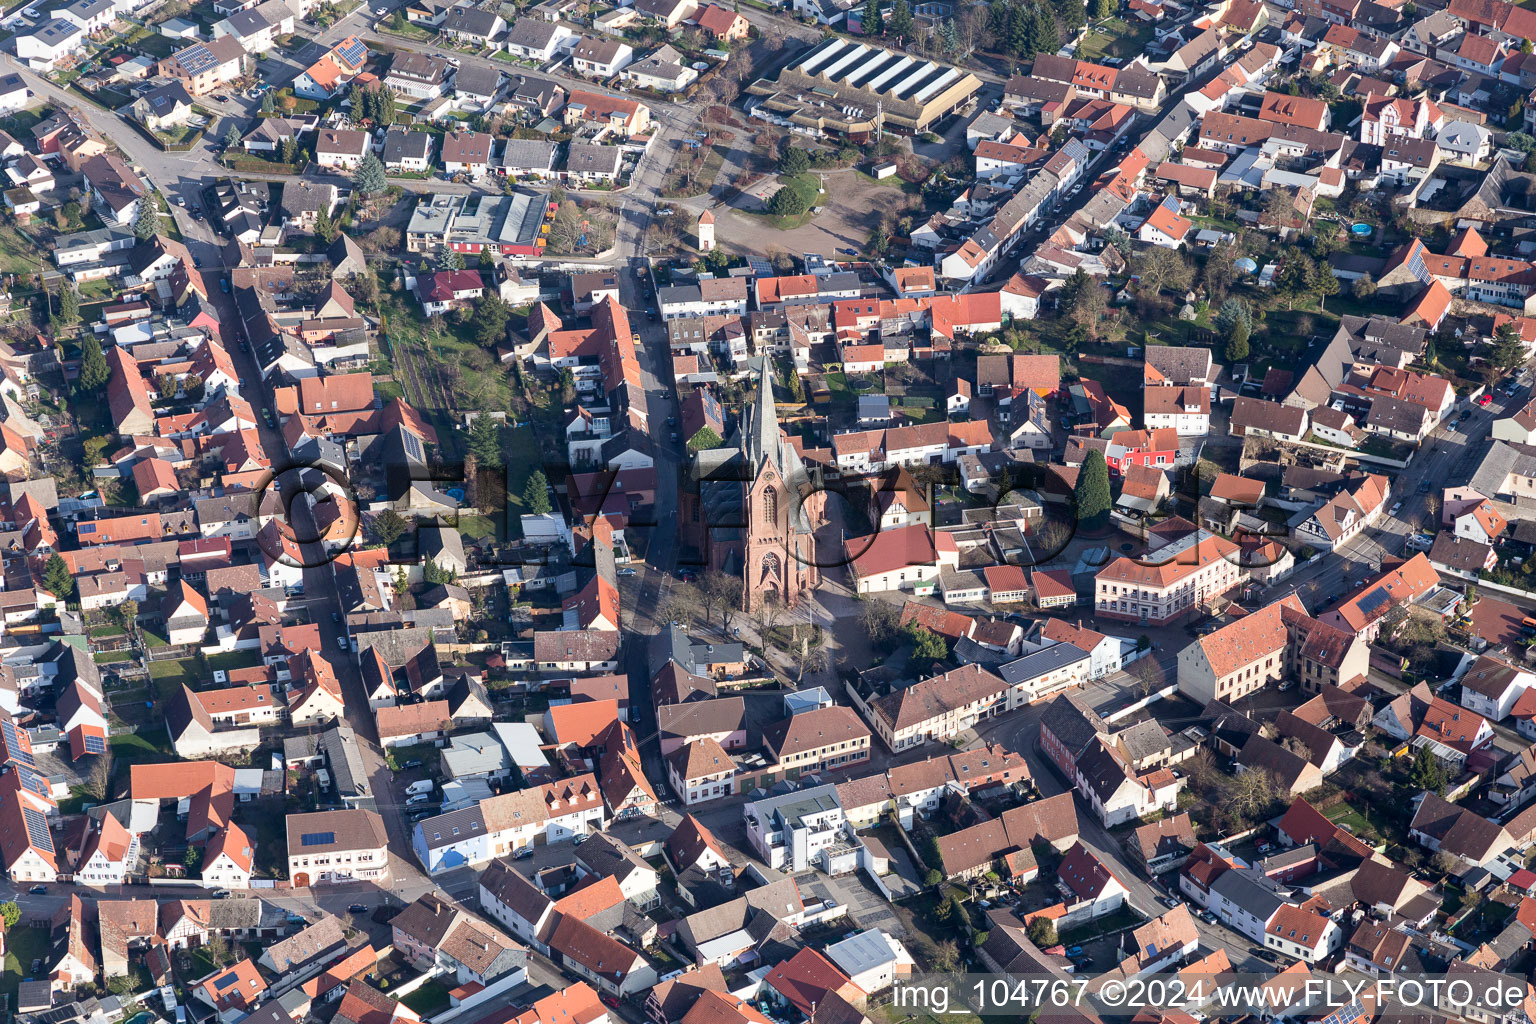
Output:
(762, 437)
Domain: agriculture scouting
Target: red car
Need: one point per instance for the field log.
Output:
(1485, 400)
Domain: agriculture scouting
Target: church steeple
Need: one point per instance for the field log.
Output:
(763, 440)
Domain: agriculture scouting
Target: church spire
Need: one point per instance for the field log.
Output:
(764, 441)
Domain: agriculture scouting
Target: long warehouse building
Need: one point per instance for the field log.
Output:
(846, 88)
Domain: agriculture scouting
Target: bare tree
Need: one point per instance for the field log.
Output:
(676, 609)
(813, 660)
(1201, 769)
(100, 776)
(1149, 675)
(1249, 793)
(879, 620)
(1297, 746)
(720, 590)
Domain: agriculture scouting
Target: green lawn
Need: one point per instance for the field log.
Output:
(426, 753)
(75, 802)
(1115, 37)
(23, 944)
(410, 31)
(253, 164)
(520, 467)
(233, 660)
(168, 675)
(473, 528)
(18, 253)
(429, 999)
(129, 748)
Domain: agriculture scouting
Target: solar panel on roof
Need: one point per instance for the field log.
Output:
(352, 51)
(37, 829)
(95, 745)
(317, 838)
(227, 982)
(1375, 599)
(14, 748)
(31, 780)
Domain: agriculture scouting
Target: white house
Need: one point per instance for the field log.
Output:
(1492, 686)
(109, 853)
(228, 859)
(341, 149)
(49, 43)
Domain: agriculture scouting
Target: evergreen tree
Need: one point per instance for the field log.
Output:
(232, 136)
(370, 180)
(290, 150)
(874, 21)
(900, 25)
(1072, 13)
(485, 442)
(324, 228)
(268, 105)
(1508, 351)
(1102, 9)
(1426, 773)
(69, 305)
(433, 573)
(536, 494)
(57, 577)
(1233, 311)
(1092, 491)
(794, 161)
(94, 371)
(355, 97)
(450, 259)
(491, 316)
(949, 38)
(1237, 342)
(1021, 30)
(388, 526)
(146, 222)
(1047, 39)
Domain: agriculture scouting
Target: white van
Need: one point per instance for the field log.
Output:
(419, 798)
(419, 786)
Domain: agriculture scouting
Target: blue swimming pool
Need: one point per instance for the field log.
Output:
(1361, 229)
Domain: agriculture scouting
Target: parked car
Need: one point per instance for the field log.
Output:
(581, 838)
(523, 853)
(341, 642)
(358, 908)
(1485, 400)
(38, 890)
(628, 572)
(411, 764)
(1396, 507)
(1074, 951)
(1168, 901)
